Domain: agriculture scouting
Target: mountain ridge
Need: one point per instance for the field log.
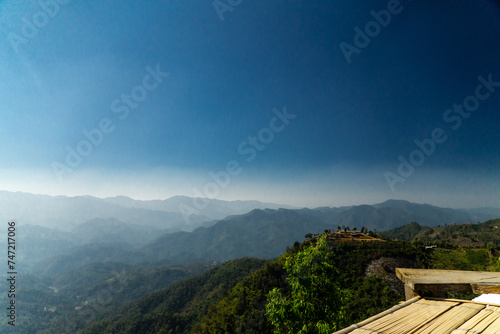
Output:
(65, 212)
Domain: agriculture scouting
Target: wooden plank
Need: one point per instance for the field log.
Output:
(478, 323)
(452, 319)
(409, 293)
(437, 282)
(481, 288)
(356, 327)
(440, 290)
(446, 277)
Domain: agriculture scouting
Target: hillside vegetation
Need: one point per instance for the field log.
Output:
(366, 270)
(72, 285)
(69, 301)
(465, 235)
(100, 235)
(177, 308)
(241, 307)
(406, 232)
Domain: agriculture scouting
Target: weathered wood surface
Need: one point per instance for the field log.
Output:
(481, 288)
(436, 282)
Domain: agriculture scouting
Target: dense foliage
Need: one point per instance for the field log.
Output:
(315, 303)
(69, 301)
(406, 232)
(472, 235)
(243, 309)
(176, 308)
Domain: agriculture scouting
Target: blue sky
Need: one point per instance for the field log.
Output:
(215, 71)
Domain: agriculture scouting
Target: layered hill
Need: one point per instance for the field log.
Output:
(394, 213)
(471, 235)
(65, 213)
(181, 213)
(180, 305)
(259, 233)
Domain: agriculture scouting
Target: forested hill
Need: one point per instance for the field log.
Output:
(176, 308)
(266, 233)
(259, 233)
(406, 232)
(222, 301)
(395, 213)
(487, 233)
(232, 298)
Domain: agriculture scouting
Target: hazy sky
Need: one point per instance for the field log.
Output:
(307, 103)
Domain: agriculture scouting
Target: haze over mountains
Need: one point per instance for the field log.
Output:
(181, 213)
(265, 233)
(57, 234)
(65, 213)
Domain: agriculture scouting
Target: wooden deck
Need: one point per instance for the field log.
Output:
(425, 316)
(437, 316)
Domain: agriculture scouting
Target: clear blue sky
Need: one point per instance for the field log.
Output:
(75, 66)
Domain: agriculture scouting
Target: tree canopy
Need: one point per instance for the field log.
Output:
(314, 302)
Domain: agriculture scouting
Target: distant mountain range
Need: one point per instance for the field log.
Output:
(181, 213)
(62, 233)
(267, 233)
(259, 233)
(177, 213)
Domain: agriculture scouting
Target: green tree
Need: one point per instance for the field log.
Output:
(315, 303)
